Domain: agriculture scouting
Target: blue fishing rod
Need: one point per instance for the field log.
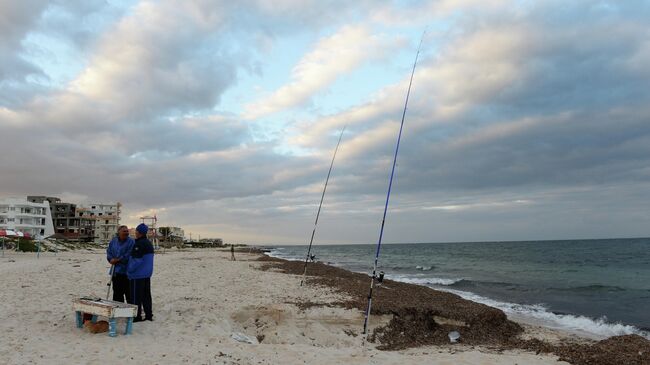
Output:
(390, 185)
(313, 232)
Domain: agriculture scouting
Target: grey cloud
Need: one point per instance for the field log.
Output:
(565, 130)
(16, 19)
(591, 119)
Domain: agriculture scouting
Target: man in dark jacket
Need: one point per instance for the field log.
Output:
(117, 254)
(139, 271)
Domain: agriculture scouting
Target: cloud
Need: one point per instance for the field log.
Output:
(518, 115)
(16, 20)
(21, 77)
(331, 58)
(155, 60)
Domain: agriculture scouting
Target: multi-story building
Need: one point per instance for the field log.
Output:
(42, 199)
(23, 215)
(171, 234)
(68, 220)
(70, 224)
(107, 218)
(152, 234)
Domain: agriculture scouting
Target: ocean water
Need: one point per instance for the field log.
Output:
(596, 287)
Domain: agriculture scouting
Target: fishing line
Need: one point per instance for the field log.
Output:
(390, 185)
(313, 232)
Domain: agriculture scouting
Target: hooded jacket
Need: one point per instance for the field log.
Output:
(141, 262)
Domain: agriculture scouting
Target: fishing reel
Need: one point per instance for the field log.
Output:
(380, 278)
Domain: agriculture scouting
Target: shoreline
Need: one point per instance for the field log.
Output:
(204, 305)
(570, 322)
(465, 318)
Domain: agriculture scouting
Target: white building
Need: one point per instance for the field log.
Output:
(19, 214)
(107, 218)
(171, 234)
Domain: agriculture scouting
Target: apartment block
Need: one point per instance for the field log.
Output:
(107, 217)
(70, 224)
(22, 215)
(67, 221)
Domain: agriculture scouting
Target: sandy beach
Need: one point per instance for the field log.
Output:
(201, 299)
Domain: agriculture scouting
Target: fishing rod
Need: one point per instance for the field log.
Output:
(390, 185)
(313, 232)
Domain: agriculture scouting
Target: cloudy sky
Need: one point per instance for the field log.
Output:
(527, 119)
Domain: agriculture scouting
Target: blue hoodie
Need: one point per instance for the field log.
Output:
(121, 250)
(141, 261)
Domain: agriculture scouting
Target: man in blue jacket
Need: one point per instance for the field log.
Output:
(117, 254)
(139, 271)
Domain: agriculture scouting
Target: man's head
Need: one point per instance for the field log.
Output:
(123, 233)
(141, 230)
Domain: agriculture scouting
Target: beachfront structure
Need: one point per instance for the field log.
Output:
(171, 234)
(67, 220)
(107, 217)
(70, 224)
(151, 234)
(43, 198)
(212, 241)
(22, 215)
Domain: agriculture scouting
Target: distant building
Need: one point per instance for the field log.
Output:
(171, 234)
(23, 215)
(67, 219)
(107, 217)
(212, 241)
(42, 199)
(151, 234)
(69, 222)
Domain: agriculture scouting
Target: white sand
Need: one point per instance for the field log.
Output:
(200, 299)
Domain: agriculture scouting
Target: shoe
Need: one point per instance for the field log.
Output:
(137, 319)
(149, 319)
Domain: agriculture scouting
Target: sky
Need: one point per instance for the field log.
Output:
(528, 120)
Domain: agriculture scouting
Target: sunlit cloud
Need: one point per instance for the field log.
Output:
(332, 57)
(190, 110)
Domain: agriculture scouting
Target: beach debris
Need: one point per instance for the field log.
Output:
(478, 323)
(454, 336)
(240, 337)
(409, 327)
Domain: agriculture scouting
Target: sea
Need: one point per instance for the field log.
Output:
(598, 288)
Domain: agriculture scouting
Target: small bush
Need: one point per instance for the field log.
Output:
(25, 245)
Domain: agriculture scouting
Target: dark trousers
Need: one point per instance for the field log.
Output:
(141, 296)
(121, 288)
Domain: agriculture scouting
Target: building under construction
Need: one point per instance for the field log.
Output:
(107, 217)
(68, 220)
(96, 223)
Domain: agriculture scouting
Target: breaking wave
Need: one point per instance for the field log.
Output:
(597, 327)
(423, 280)
(538, 314)
(279, 254)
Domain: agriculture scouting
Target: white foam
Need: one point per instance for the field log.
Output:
(597, 328)
(279, 255)
(423, 280)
